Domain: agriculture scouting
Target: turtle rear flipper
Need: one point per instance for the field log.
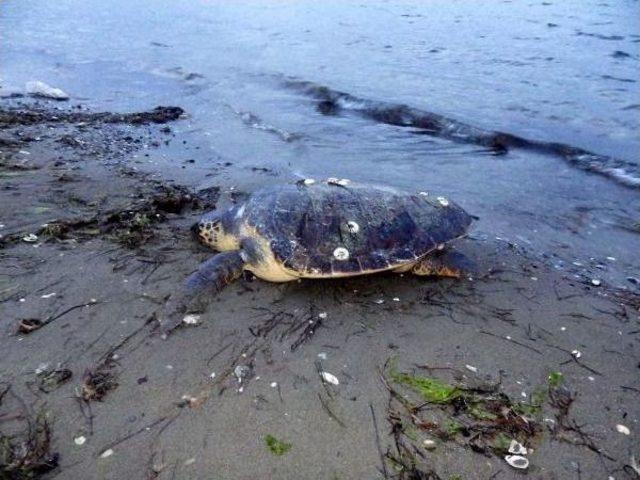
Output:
(448, 263)
(213, 275)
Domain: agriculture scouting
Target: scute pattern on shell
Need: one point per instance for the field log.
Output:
(305, 224)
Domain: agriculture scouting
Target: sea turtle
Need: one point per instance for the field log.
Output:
(328, 229)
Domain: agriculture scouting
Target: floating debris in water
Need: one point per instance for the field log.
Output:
(31, 238)
(80, 440)
(623, 429)
(517, 461)
(330, 378)
(341, 253)
(191, 319)
(517, 448)
(107, 453)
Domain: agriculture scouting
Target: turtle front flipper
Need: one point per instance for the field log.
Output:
(446, 263)
(213, 275)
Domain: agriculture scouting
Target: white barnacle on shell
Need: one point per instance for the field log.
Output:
(353, 227)
(443, 201)
(341, 253)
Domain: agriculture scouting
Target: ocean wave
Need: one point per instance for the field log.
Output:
(332, 102)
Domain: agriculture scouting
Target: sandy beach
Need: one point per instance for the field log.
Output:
(93, 242)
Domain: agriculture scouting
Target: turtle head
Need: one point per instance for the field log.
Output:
(216, 230)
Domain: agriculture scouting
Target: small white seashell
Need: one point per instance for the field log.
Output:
(595, 282)
(396, 299)
(443, 201)
(517, 448)
(30, 238)
(424, 194)
(309, 181)
(576, 353)
(471, 368)
(80, 440)
(353, 227)
(341, 253)
(48, 295)
(241, 371)
(322, 315)
(623, 429)
(330, 378)
(107, 453)
(517, 461)
(429, 444)
(213, 375)
(191, 319)
(274, 384)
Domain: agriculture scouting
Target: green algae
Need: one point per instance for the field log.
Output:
(275, 446)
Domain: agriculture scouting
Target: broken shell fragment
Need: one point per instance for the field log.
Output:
(107, 453)
(341, 253)
(80, 440)
(429, 444)
(424, 194)
(241, 371)
(353, 227)
(517, 448)
(330, 378)
(623, 429)
(191, 319)
(595, 282)
(576, 353)
(517, 461)
(443, 201)
(31, 238)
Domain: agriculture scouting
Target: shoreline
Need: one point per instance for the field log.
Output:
(117, 243)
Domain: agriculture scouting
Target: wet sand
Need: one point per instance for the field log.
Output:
(80, 297)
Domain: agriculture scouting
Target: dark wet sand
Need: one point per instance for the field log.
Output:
(518, 320)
